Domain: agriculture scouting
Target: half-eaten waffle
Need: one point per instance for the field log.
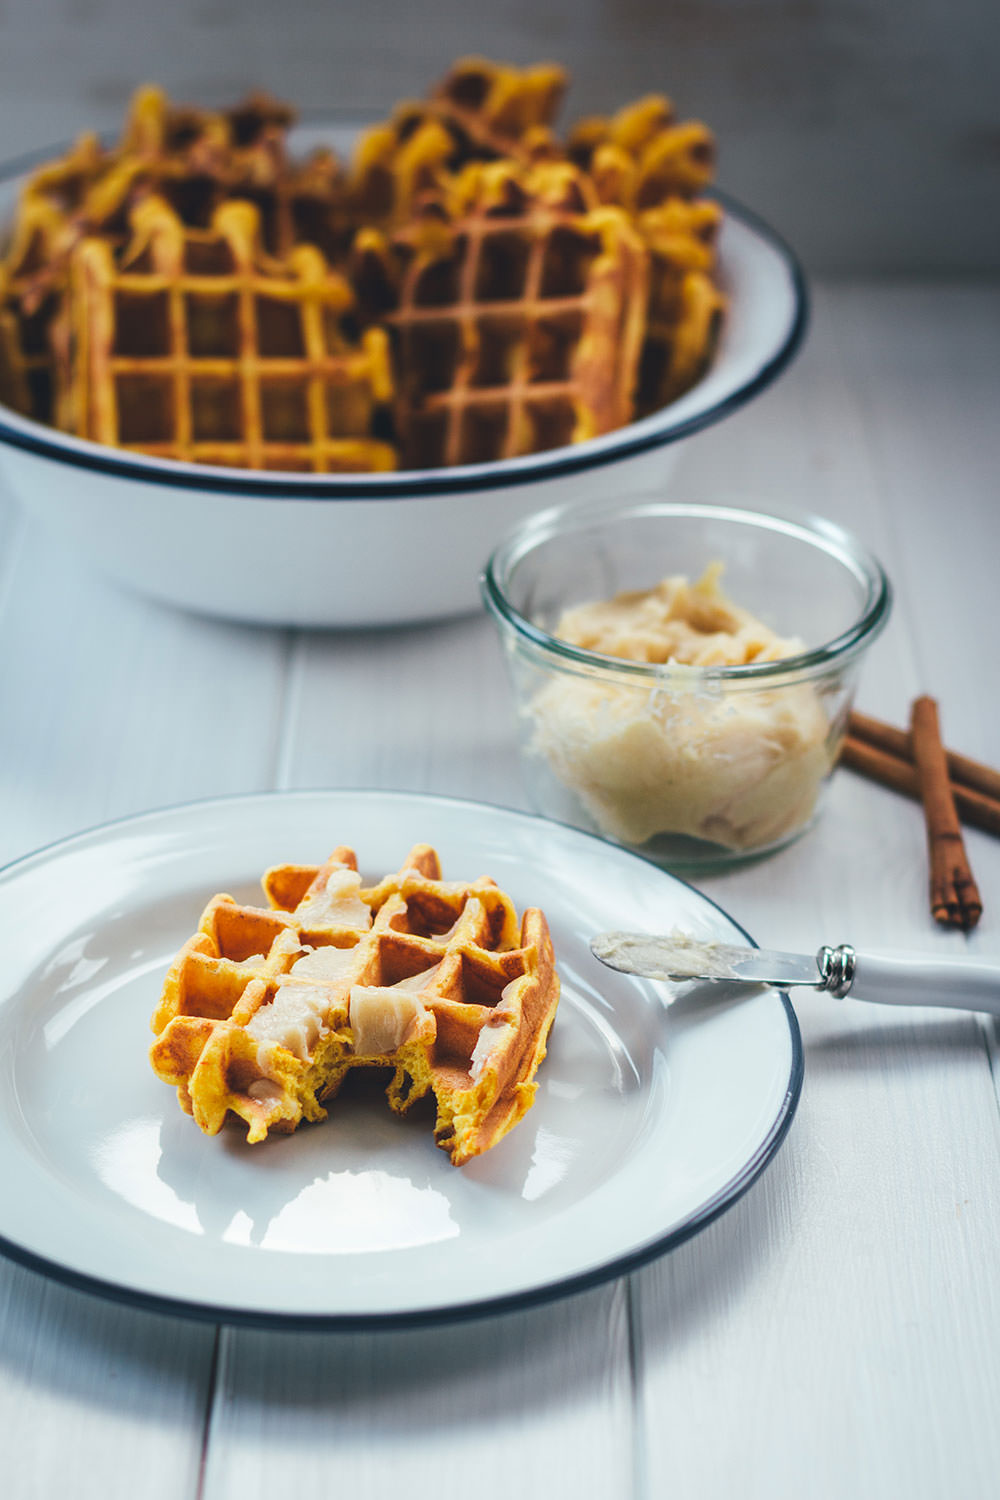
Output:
(265, 1011)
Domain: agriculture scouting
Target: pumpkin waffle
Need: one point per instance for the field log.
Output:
(479, 111)
(494, 110)
(264, 1012)
(194, 160)
(194, 344)
(197, 159)
(31, 279)
(501, 262)
(643, 155)
(517, 313)
(686, 306)
(657, 168)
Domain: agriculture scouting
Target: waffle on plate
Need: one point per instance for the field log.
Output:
(265, 1011)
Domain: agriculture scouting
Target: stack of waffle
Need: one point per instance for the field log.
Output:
(468, 287)
(264, 1012)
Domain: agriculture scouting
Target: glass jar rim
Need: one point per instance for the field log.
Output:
(816, 531)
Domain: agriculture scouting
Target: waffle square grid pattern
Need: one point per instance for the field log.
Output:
(193, 290)
(516, 326)
(265, 1011)
(198, 348)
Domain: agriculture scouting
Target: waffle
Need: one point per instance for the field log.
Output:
(686, 307)
(156, 128)
(193, 344)
(657, 168)
(517, 315)
(31, 279)
(644, 155)
(14, 377)
(194, 160)
(197, 160)
(264, 1012)
(497, 268)
(394, 164)
(495, 110)
(479, 111)
(28, 303)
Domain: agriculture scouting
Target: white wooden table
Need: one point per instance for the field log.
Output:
(837, 1332)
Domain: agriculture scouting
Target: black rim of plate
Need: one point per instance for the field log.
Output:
(417, 484)
(551, 1291)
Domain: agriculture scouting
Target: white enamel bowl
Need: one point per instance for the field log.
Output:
(374, 549)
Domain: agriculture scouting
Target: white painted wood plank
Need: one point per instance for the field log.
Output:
(926, 363)
(535, 1404)
(427, 708)
(835, 1334)
(112, 704)
(843, 1333)
(98, 1401)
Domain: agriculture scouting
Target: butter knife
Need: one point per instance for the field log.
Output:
(886, 979)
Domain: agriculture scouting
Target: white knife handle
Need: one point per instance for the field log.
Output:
(960, 984)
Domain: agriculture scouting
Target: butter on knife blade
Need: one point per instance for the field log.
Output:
(886, 979)
(679, 957)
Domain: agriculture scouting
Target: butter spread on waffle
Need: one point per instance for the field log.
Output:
(265, 1011)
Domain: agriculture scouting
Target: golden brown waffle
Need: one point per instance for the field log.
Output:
(686, 305)
(193, 344)
(263, 1013)
(194, 160)
(155, 127)
(512, 301)
(495, 110)
(32, 273)
(644, 155)
(479, 111)
(15, 390)
(28, 303)
(656, 167)
(393, 165)
(517, 313)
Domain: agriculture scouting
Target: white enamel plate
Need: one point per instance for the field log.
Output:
(650, 1118)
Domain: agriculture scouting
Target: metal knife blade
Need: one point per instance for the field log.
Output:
(884, 978)
(679, 957)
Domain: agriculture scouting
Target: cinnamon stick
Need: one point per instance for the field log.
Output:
(955, 900)
(869, 756)
(962, 770)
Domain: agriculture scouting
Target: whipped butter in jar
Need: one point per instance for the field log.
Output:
(683, 756)
(682, 673)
